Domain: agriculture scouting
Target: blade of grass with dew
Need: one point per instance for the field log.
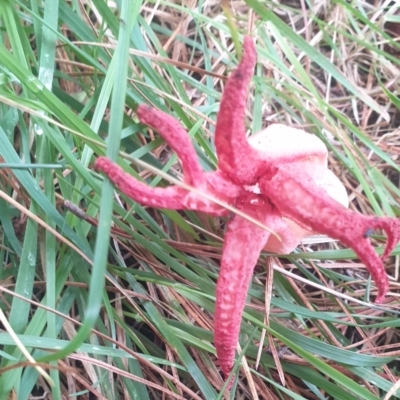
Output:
(49, 249)
(31, 166)
(46, 73)
(19, 313)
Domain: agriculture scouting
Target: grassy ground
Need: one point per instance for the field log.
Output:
(72, 74)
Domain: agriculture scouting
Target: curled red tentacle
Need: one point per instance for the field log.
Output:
(297, 197)
(391, 226)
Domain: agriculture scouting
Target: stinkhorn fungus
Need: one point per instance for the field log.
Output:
(279, 177)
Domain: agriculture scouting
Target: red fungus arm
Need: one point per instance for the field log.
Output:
(243, 244)
(177, 137)
(172, 197)
(235, 155)
(246, 162)
(297, 197)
